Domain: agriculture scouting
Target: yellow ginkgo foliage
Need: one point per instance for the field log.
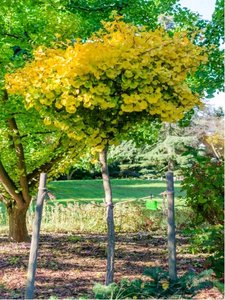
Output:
(94, 89)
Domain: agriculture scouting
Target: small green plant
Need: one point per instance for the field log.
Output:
(74, 239)
(106, 292)
(159, 286)
(13, 260)
(216, 262)
(209, 239)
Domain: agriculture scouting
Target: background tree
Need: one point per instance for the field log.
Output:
(168, 151)
(203, 130)
(210, 76)
(27, 148)
(150, 161)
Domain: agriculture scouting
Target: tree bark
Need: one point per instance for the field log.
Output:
(109, 217)
(17, 224)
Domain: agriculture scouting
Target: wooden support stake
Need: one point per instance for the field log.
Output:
(35, 238)
(171, 227)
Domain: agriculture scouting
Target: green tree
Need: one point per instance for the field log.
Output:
(167, 153)
(27, 148)
(211, 75)
(202, 129)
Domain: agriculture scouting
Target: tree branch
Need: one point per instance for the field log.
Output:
(5, 179)
(10, 186)
(10, 35)
(45, 168)
(15, 36)
(16, 139)
(15, 136)
(37, 133)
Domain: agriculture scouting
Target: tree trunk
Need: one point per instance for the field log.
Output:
(17, 224)
(109, 216)
(172, 261)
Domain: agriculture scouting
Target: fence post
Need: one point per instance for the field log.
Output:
(29, 294)
(171, 227)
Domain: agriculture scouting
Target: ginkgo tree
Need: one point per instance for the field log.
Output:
(96, 90)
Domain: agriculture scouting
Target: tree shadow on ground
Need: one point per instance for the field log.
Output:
(69, 265)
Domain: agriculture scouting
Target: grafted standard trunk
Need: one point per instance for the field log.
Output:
(17, 224)
(109, 216)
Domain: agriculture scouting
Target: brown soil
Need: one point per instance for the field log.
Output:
(69, 265)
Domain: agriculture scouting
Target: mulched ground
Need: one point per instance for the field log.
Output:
(69, 265)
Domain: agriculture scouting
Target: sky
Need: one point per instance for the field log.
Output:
(205, 8)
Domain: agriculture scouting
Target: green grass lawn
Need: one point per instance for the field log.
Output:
(86, 191)
(89, 191)
(123, 189)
